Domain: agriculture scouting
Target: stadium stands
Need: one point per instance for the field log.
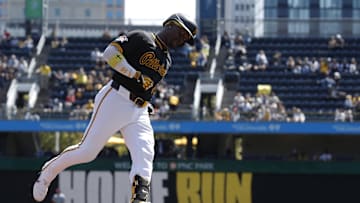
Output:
(84, 55)
(301, 86)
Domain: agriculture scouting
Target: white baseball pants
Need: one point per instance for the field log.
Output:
(113, 111)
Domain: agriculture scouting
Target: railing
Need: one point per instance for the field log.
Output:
(181, 114)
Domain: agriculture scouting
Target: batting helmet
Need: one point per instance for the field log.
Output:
(185, 23)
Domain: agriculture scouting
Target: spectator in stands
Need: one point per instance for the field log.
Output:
(57, 105)
(247, 106)
(340, 42)
(6, 35)
(298, 66)
(88, 107)
(13, 62)
(333, 65)
(324, 68)
(174, 101)
(290, 64)
(245, 65)
(223, 115)
(82, 78)
(348, 103)
(349, 115)
(339, 115)
(238, 99)
(353, 69)
(306, 65)
(106, 35)
(235, 113)
(277, 58)
(261, 60)
(336, 42)
(298, 115)
(63, 43)
(263, 113)
(332, 42)
(28, 44)
(226, 40)
(57, 78)
(79, 93)
(56, 43)
(5, 38)
(205, 49)
(204, 112)
(96, 55)
(70, 98)
(328, 82)
(195, 57)
(44, 71)
(343, 115)
(229, 63)
(349, 106)
(164, 110)
(78, 113)
(239, 47)
(336, 92)
(90, 85)
(31, 116)
(315, 65)
(23, 66)
(280, 113)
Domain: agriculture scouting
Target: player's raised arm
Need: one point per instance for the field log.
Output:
(118, 62)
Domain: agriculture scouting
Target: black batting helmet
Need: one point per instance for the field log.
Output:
(185, 23)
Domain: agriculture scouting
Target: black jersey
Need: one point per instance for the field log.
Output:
(145, 52)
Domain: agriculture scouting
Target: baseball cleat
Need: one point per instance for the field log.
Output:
(40, 189)
(140, 190)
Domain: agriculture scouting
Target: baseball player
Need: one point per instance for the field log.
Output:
(140, 60)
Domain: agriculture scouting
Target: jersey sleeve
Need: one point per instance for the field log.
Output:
(130, 43)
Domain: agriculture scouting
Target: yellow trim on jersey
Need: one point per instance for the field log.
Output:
(119, 48)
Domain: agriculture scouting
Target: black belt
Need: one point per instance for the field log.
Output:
(140, 102)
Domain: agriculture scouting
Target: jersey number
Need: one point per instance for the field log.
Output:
(147, 82)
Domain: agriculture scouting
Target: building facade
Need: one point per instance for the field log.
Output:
(244, 16)
(64, 10)
(312, 17)
(292, 17)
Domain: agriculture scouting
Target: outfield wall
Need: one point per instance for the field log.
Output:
(106, 181)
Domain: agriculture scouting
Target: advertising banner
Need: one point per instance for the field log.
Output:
(193, 182)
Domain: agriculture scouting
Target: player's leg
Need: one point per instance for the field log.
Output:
(139, 138)
(103, 124)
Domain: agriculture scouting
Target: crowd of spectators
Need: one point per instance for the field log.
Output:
(329, 68)
(13, 65)
(14, 62)
(259, 107)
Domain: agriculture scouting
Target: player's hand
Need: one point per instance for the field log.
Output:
(145, 81)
